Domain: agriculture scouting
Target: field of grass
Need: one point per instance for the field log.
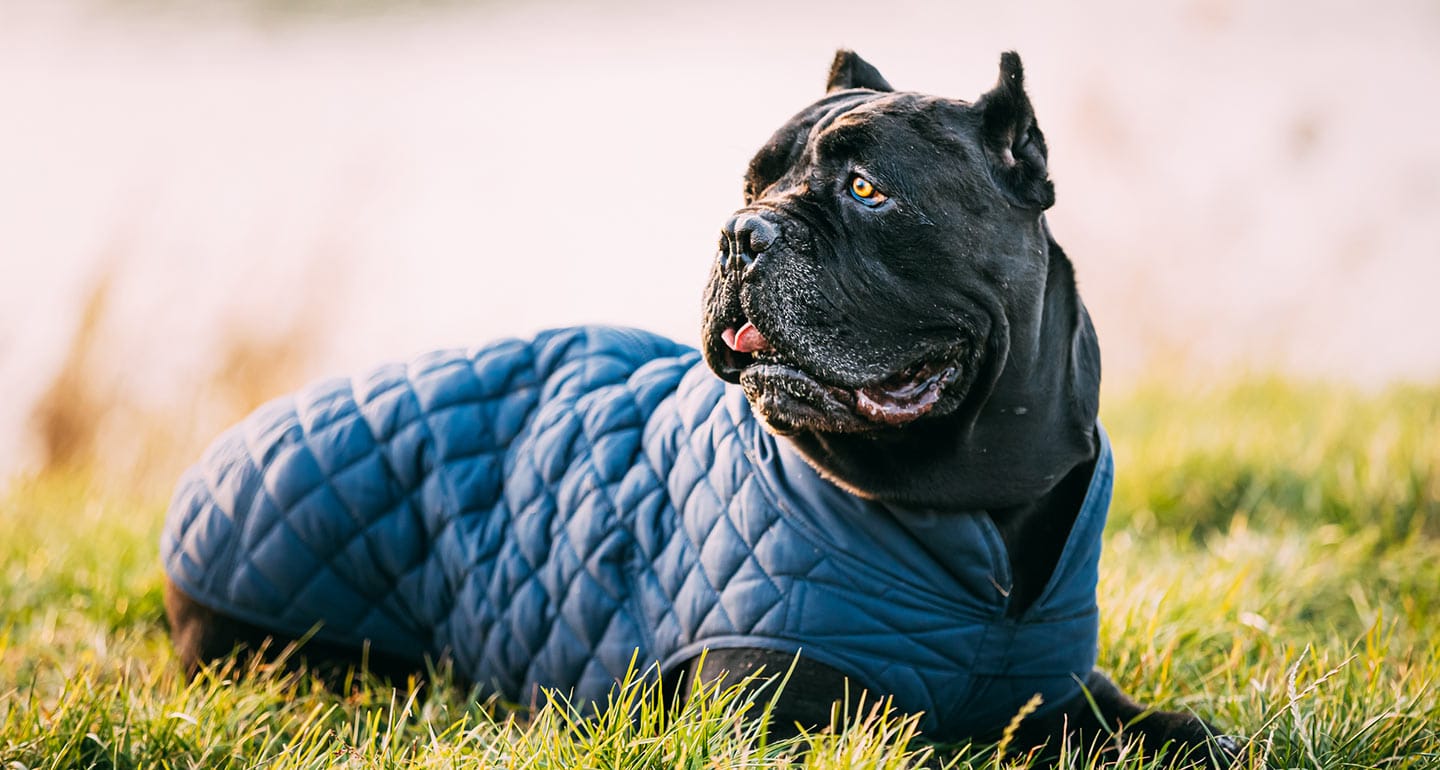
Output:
(1272, 563)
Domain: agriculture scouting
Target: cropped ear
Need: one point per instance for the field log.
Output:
(850, 71)
(1013, 140)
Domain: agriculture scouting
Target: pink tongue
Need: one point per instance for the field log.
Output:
(747, 340)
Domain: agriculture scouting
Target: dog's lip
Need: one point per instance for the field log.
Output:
(894, 401)
(906, 396)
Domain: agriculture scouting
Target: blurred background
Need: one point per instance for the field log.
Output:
(205, 204)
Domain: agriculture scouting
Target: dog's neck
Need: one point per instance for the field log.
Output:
(1028, 422)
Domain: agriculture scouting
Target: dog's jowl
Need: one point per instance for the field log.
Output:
(886, 460)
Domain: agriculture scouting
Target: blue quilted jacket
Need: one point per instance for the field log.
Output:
(542, 510)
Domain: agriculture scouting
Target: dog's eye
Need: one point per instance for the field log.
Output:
(861, 189)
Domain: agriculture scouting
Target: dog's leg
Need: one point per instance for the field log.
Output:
(203, 636)
(1109, 716)
(810, 693)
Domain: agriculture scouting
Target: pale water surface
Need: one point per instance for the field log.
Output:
(1239, 184)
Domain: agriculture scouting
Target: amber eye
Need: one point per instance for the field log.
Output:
(861, 189)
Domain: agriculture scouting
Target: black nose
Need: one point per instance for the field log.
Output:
(747, 236)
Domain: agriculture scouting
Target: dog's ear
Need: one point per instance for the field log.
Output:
(1012, 139)
(850, 71)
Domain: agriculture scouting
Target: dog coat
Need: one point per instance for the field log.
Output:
(542, 511)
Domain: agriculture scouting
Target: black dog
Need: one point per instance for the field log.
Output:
(892, 304)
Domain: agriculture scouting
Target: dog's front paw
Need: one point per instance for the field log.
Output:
(1226, 750)
(1189, 740)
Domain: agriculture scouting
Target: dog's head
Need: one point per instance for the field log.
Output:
(889, 296)
(888, 243)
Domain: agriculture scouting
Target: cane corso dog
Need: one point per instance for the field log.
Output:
(920, 515)
(893, 303)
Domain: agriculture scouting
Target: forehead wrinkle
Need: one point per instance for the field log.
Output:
(796, 139)
(845, 134)
(836, 126)
(859, 123)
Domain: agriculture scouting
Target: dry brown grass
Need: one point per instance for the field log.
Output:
(65, 420)
(90, 420)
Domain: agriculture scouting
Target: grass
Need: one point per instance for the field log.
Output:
(1272, 563)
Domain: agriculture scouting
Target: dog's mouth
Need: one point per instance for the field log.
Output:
(789, 395)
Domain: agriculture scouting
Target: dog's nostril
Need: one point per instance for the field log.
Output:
(756, 233)
(727, 233)
(746, 236)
